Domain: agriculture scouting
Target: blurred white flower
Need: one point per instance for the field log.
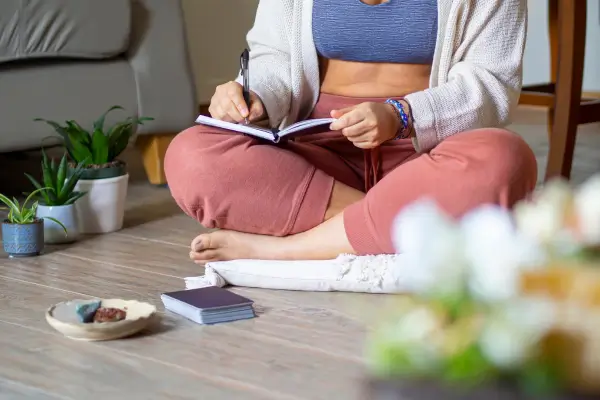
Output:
(413, 333)
(543, 218)
(496, 253)
(587, 209)
(433, 250)
(510, 336)
(537, 315)
(504, 344)
(417, 325)
(538, 221)
(547, 219)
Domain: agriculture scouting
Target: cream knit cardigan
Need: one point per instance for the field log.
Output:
(476, 73)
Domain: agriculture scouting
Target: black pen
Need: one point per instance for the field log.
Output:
(245, 64)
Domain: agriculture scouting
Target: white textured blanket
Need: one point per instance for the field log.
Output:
(346, 273)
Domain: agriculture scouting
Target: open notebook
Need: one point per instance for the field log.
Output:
(273, 135)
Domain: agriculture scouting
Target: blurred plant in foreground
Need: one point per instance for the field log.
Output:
(469, 322)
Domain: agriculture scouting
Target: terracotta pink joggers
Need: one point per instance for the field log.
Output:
(232, 181)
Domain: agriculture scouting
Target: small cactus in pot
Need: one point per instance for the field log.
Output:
(58, 201)
(23, 230)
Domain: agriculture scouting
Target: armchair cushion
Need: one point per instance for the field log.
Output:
(84, 29)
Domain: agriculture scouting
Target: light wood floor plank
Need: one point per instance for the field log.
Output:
(179, 345)
(129, 252)
(229, 353)
(177, 230)
(13, 390)
(88, 277)
(45, 365)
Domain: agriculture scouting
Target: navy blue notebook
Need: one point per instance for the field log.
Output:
(208, 305)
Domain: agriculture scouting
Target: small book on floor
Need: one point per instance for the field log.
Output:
(273, 135)
(209, 305)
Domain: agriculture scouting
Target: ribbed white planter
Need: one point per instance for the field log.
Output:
(53, 232)
(102, 209)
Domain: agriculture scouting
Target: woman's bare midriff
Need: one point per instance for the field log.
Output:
(360, 79)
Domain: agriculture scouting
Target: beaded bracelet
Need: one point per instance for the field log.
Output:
(404, 131)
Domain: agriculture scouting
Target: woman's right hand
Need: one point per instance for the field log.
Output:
(227, 104)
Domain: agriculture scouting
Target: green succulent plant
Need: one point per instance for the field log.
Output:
(21, 213)
(59, 182)
(99, 146)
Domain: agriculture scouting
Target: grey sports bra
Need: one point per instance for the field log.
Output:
(398, 31)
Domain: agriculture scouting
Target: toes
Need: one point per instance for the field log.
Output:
(204, 249)
(197, 241)
(210, 247)
(201, 242)
(205, 256)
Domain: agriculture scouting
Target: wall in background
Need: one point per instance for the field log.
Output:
(537, 53)
(216, 32)
(217, 29)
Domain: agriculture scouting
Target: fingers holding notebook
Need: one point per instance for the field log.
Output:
(227, 104)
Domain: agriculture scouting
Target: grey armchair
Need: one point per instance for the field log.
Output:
(73, 59)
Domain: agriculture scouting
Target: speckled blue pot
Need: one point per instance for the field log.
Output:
(25, 240)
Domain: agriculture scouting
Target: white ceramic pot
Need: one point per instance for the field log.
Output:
(53, 232)
(102, 209)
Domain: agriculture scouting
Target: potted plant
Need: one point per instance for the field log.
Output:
(104, 176)
(22, 230)
(58, 201)
(487, 308)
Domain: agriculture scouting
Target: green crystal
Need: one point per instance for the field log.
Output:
(85, 311)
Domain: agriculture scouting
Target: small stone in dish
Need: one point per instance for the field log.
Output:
(105, 314)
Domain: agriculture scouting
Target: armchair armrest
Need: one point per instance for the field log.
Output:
(159, 58)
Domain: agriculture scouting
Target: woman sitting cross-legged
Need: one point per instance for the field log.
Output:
(420, 90)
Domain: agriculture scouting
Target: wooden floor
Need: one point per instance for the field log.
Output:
(302, 345)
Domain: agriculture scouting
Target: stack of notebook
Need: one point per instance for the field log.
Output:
(209, 305)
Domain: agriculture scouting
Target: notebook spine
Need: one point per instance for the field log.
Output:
(276, 137)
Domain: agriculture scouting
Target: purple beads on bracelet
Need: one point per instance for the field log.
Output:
(404, 131)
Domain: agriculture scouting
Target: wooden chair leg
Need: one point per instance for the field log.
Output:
(153, 149)
(572, 31)
(553, 36)
(543, 94)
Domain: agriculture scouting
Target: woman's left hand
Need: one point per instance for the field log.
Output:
(367, 125)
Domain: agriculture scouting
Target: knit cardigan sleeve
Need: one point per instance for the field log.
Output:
(270, 69)
(483, 85)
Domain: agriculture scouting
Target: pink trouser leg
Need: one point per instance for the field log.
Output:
(231, 181)
(462, 172)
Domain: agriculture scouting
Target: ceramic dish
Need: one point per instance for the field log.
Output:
(63, 318)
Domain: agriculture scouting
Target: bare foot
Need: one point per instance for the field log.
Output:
(226, 245)
(323, 242)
